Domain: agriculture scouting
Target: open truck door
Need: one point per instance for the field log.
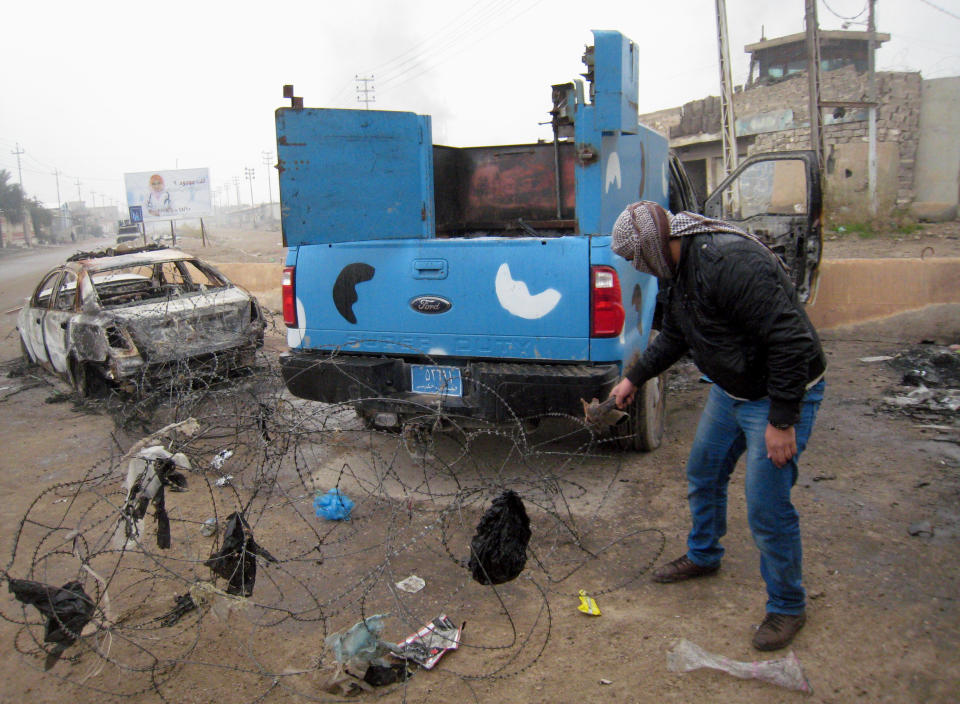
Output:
(777, 196)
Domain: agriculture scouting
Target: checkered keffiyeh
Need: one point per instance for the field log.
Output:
(643, 231)
(641, 234)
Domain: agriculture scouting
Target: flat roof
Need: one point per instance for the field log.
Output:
(879, 38)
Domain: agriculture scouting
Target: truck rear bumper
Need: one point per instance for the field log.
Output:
(492, 391)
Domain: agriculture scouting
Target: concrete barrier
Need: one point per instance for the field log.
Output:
(861, 290)
(260, 279)
(849, 291)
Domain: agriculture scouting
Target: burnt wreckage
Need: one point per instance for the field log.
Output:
(125, 317)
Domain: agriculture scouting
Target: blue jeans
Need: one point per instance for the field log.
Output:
(728, 428)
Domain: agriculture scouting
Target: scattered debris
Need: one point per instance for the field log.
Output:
(220, 458)
(498, 551)
(334, 505)
(783, 672)
(209, 527)
(67, 609)
(235, 561)
(606, 681)
(184, 604)
(355, 650)
(921, 529)
(878, 358)
(427, 646)
(151, 471)
(411, 584)
(588, 605)
(224, 480)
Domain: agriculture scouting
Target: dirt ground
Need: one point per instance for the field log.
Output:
(878, 496)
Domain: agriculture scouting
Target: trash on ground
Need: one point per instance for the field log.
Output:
(783, 672)
(356, 650)
(209, 527)
(149, 472)
(877, 358)
(921, 529)
(427, 646)
(334, 505)
(220, 458)
(588, 605)
(224, 480)
(498, 551)
(411, 584)
(235, 560)
(67, 609)
(184, 604)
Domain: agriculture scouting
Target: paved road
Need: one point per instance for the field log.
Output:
(20, 272)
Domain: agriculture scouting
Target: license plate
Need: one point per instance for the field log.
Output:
(430, 379)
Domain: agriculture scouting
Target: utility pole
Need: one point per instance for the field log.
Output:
(56, 172)
(727, 117)
(872, 110)
(365, 94)
(268, 161)
(23, 195)
(236, 185)
(77, 184)
(250, 174)
(813, 71)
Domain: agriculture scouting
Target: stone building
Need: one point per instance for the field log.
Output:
(772, 114)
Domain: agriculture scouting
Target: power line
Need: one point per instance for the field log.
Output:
(937, 7)
(843, 17)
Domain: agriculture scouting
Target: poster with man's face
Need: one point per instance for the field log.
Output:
(169, 195)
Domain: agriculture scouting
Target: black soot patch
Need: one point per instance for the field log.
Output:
(345, 288)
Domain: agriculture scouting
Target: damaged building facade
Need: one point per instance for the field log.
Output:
(918, 160)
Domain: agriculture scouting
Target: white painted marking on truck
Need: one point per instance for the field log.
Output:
(613, 172)
(437, 352)
(517, 300)
(665, 178)
(295, 335)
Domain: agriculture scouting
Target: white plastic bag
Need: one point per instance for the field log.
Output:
(783, 672)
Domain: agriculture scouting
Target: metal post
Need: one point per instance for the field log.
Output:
(267, 158)
(203, 233)
(813, 75)
(872, 111)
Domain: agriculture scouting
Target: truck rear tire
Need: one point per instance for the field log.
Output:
(642, 431)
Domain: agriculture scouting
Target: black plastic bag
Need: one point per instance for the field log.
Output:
(234, 561)
(68, 608)
(498, 551)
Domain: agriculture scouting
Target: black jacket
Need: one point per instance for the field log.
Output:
(735, 309)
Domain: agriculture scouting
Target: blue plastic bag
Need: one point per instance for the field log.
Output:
(334, 506)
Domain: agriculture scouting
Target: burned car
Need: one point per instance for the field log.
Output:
(128, 317)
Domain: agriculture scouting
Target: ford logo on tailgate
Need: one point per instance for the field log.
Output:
(430, 304)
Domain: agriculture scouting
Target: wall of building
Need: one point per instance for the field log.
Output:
(937, 178)
(776, 117)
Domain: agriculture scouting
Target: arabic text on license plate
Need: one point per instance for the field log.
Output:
(428, 379)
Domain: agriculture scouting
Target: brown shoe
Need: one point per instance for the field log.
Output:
(682, 568)
(777, 630)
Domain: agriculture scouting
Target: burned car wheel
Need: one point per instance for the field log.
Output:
(87, 381)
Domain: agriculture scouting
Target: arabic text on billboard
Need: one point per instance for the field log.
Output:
(170, 195)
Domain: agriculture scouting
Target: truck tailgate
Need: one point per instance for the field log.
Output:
(504, 298)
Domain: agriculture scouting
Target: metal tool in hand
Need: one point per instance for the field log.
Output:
(602, 415)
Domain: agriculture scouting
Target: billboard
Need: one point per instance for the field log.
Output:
(169, 195)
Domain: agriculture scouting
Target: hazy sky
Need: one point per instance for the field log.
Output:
(99, 88)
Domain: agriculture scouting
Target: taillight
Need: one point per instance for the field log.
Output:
(289, 298)
(606, 310)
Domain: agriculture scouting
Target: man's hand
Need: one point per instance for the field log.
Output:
(624, 393)
(781, 444)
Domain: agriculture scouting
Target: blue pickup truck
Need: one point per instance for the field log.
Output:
(479, 282)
